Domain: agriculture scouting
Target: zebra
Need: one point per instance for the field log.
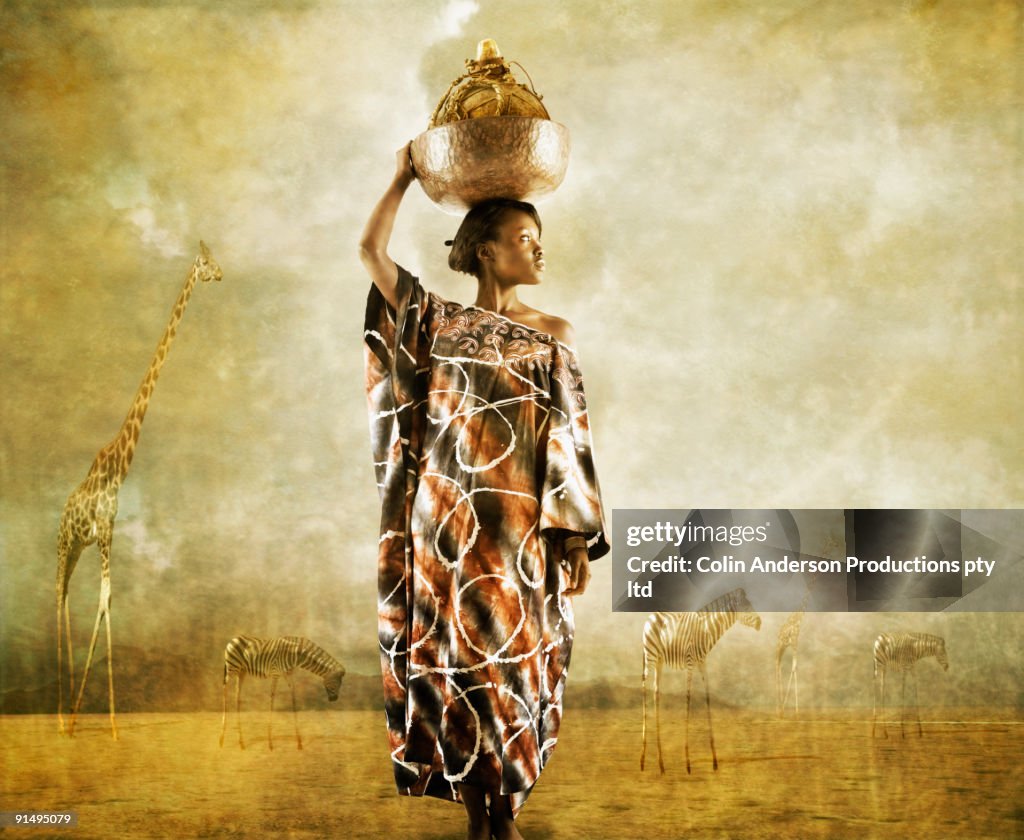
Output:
(901, 651)
(276, 658)
(683, 640)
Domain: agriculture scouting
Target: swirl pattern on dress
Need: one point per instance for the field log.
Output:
(489, 337)
(482, 448)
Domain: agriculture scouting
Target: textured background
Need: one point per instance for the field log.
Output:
(788, 239)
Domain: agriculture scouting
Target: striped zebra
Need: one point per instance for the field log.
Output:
(276, 658)
(684, 640)
(900, 652)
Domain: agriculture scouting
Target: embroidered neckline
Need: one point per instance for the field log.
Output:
(512, 321)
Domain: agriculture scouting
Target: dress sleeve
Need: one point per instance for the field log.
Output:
(393, 341)
(571, 498)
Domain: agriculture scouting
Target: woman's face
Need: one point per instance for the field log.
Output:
(515, 255)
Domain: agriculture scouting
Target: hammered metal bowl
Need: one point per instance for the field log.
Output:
(463, 163)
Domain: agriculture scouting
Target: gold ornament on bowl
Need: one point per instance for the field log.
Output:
(489, 137)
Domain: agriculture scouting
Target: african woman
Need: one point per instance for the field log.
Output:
(490, 511)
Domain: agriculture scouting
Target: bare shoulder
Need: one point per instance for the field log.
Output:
(560, 329)
(550, 324)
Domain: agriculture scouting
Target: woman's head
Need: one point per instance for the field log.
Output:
(482, 225)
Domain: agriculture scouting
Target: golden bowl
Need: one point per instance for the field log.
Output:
(462, 163)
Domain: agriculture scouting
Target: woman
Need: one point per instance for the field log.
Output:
(490, 511)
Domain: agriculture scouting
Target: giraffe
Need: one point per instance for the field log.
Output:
(90, 510)
(789, 637)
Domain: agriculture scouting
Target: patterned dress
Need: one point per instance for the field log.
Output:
(483, 460)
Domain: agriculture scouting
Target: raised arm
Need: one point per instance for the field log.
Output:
(373, 247)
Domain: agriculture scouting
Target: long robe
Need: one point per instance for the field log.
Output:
(483, 460)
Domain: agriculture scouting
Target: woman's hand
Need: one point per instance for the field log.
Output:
(578, 567)
(404, 172)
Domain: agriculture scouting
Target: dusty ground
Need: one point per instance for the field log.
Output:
(817, 777)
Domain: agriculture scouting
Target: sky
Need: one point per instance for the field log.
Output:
(788, 240)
